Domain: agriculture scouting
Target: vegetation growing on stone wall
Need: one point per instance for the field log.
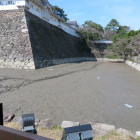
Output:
(126, 44)
(83, 47)
(60, 12)
(91, 31)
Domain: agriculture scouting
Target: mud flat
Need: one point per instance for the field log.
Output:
(84, 92)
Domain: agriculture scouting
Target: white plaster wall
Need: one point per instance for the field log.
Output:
(9, 7)
(69, 30)
(54, 21)
(74, 26)
(20, 3)
(51, 19)
(33, 8)
(43, 13)
(5, 6)
(5, 2)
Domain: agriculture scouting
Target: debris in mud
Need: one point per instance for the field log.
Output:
(9, 117)
(50, 68)
(66, 124)
(98, 77)
(129, 106)
(47, 123)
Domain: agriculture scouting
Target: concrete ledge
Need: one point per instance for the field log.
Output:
(110, 60)
(130, 63)
(45, 63)
(133, 64)
(17, 64)
(71, 60)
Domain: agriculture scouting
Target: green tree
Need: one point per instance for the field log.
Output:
(113, 25)
(90, 34)
(60, 12)
(132, 33)
(122, 31)
(94, 25)
(91, 31)
(108, 34)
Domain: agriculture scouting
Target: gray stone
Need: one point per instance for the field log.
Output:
(99, 133)
(66, 124)
(37, 121)
(2, 78)
(17, 120)
(47, 123)
(100, 129)
(22, 42)
(104, 127)
(9, 117)
(138, 133)
(124, 132)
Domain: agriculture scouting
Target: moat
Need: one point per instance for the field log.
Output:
(84, 92)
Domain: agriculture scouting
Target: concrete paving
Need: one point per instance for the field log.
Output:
(85, 92)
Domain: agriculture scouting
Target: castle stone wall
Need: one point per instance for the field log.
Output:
(41, 11)
(15, 46)
(50, 42)
(28, 42)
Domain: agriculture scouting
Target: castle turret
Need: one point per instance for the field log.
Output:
(32, 35)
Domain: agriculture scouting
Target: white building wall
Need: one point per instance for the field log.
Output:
(11, 4)
(54, 21)
(34, 9)
(74, 26)
(39, 11)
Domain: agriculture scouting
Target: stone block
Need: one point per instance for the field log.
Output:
(104, 127)
(47, 123)
(19, 45)
(24, 30)
(66, 124)
(99, 133)
(101, 129)
(125, 132)
(138, 133)
(9, 117)
(17, 120)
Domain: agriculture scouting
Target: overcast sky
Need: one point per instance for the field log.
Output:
(127, 12)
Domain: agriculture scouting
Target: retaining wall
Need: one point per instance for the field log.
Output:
(15, 45)
(133, 64)
(28, 42)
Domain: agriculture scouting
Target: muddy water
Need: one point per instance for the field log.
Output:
(84, 92)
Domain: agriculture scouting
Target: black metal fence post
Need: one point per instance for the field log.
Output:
(1, 114)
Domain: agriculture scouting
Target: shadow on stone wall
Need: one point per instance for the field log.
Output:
(49, 42)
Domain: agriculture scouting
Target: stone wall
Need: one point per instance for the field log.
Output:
(28, 42)
(133, 64)
(15, 46)
(41, 11)
(50, 42)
